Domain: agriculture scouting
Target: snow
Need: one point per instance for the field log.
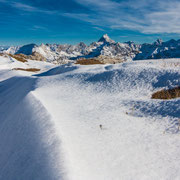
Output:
(50, 122)
(106, 39)
(61, 54)
(9, 63)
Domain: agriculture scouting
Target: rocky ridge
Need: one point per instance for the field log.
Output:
(106, 50)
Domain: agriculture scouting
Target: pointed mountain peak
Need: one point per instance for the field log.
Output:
(158, 42)
(82, 44)
(106, 39)
(42, 45)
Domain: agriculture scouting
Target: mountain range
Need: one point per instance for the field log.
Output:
(105, 47)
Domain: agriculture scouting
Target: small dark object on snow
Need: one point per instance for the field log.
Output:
(100, 126)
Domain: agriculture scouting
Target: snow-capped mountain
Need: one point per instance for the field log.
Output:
(2, 48)
(159, 49)
(105, 46)
(105, 38)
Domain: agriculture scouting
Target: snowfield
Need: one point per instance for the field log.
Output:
(95, 122)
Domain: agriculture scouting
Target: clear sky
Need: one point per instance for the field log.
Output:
(72, 21)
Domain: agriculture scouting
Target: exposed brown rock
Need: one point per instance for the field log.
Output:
(28, 69)
(89, 61)
(167, 94)
(19, 57)
(109, 60)
(99, 60)
(23, 58)
(36, 56)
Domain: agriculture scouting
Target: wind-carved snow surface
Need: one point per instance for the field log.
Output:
(50, 123)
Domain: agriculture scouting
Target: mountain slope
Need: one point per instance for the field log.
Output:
(50, 122)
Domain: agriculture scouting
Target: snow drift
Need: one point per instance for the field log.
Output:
(50, 122)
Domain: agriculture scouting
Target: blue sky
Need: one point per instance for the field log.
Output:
(72, 21)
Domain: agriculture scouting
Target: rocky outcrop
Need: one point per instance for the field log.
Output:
(99, 60)
(23, 58)
(36, 56)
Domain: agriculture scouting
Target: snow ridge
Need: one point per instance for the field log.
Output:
(50, 122)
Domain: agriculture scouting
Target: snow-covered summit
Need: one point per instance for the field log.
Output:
(106, 39)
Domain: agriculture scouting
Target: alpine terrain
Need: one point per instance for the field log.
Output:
(90, 122)
(106, 50)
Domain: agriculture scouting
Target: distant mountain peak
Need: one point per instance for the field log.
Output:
(106, 39)
(82, 44)
(158, 42)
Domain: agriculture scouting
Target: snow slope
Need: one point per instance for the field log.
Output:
(9, 63)
(50, 123)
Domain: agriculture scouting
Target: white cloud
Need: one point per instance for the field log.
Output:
(98, 28)
(164, 21)
(153, 16)
(25, 7)
(103, 5)
(80, 16)
(145, 16)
